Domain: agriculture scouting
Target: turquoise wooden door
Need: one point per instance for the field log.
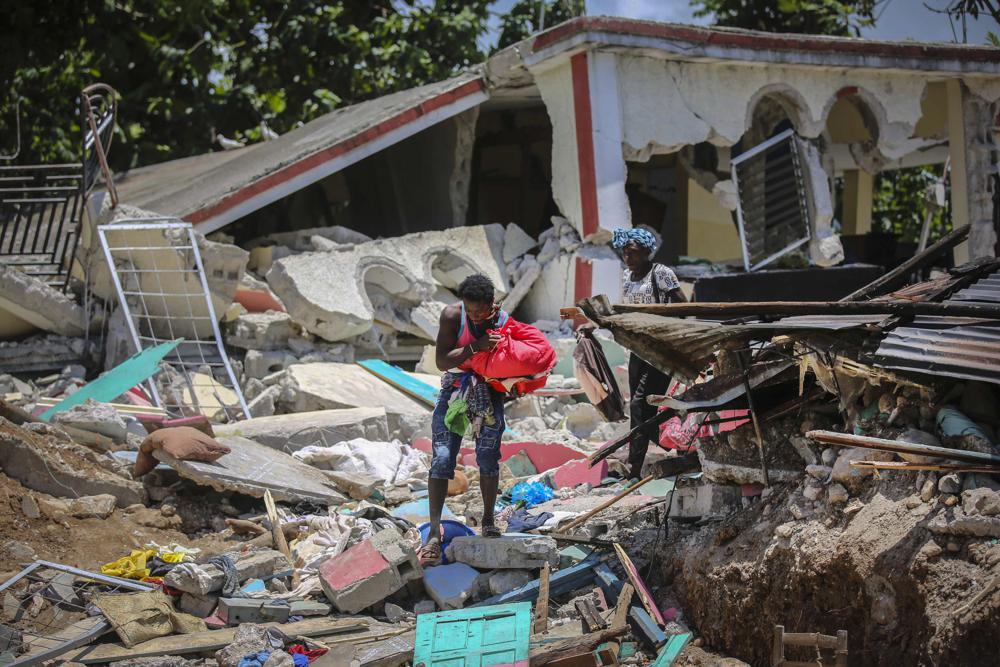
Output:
(495, 636)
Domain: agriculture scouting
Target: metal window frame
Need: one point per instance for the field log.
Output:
(743, 157)
(85, 638)
(164, 224)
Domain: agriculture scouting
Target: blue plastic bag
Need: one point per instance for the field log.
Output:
(532, 493)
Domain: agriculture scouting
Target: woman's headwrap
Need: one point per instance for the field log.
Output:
(622, 237)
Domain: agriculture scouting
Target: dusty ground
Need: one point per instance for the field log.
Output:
(871, 568)
(85, 543)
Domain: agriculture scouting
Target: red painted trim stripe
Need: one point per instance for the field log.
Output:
(584, 143)
(336, 150)
(764, 40)
(583, 280)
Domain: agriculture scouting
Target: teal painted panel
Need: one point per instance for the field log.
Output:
(495, 636)
(672, 650)
(400, 380)
(134, 370)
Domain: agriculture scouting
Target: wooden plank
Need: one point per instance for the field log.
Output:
(548, 653)
(646, 628)
(606, 504)
(897, 446)
(564, 581)
(125, 408)
(210, 640)
(624, 602)
(810, 639)
(589, 616)
(640, 587)
(276, 531)
(541, 622)
(672, 650)
(397, 378)
(810, 308)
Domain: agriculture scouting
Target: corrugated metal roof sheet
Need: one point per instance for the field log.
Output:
(959, 347)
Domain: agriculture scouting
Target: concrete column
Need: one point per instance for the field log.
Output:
(858, 201)
(588, 168)
(973, 156)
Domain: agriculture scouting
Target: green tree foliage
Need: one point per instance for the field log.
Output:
(812, 17)
(900, 204)
(190, 69)
(525, 18)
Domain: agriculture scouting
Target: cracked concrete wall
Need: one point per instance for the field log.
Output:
(667, 104)
(974, 162)
(556, 87)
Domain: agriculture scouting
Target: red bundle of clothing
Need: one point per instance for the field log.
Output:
(521, 361)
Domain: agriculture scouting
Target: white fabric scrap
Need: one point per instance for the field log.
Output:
(392, 462)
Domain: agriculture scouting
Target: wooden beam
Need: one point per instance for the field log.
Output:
(848, 440)
(603, 506)
(640, 586)
(621, 609)
(541, 621)
(547, 653)
(800, 308)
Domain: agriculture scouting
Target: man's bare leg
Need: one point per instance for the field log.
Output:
(488, 484)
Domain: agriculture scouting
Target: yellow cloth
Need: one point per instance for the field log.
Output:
(132, 566)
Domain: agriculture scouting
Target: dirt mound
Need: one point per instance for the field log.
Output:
(871, 568)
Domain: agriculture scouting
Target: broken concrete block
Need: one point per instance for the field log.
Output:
(94, 417)
(451, 585)
(981, 501)
(950, 483)
(202, 579)
(507, 580)
(201, 606)
(261, 363)
(704, 499)
(510, 552)
(330, 386)
(957, 522)
(248, 639)
(296, 431)
(369, 571)
(262, 331)
(836, 494)
(262, 405)
(37, 305)
(357, 485)
(852, 477)
(235, 611)
(424, 606)
(406, 270)
(309, 608)
(85, 507)
(516, 242)
(41, 463)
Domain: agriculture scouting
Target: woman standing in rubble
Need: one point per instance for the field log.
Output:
(643, 282)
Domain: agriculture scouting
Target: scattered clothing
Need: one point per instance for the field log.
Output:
(521, 522)
(255, 659)
(311, 654)
(232, 582)
(592, 370)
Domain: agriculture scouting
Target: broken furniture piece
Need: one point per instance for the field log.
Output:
(810, 640)
(67, 591)
(157, 271)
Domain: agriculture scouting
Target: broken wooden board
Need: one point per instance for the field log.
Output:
(401, 380)
(252, 469)
(210, 640)
(640, 587)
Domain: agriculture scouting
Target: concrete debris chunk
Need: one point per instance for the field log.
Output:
(31, 303)
(253, 469)
(95, 417)
(85, 507)
(451, 585)
(369, 571)
(405, 270)
(325, 386)
(510, 552)
(507, 580)
(985, 502)
(262, 331)
(205, 578)
(516, 242)
(294, 431)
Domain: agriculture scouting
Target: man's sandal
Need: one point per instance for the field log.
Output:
(429, 554)
(490, 531)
